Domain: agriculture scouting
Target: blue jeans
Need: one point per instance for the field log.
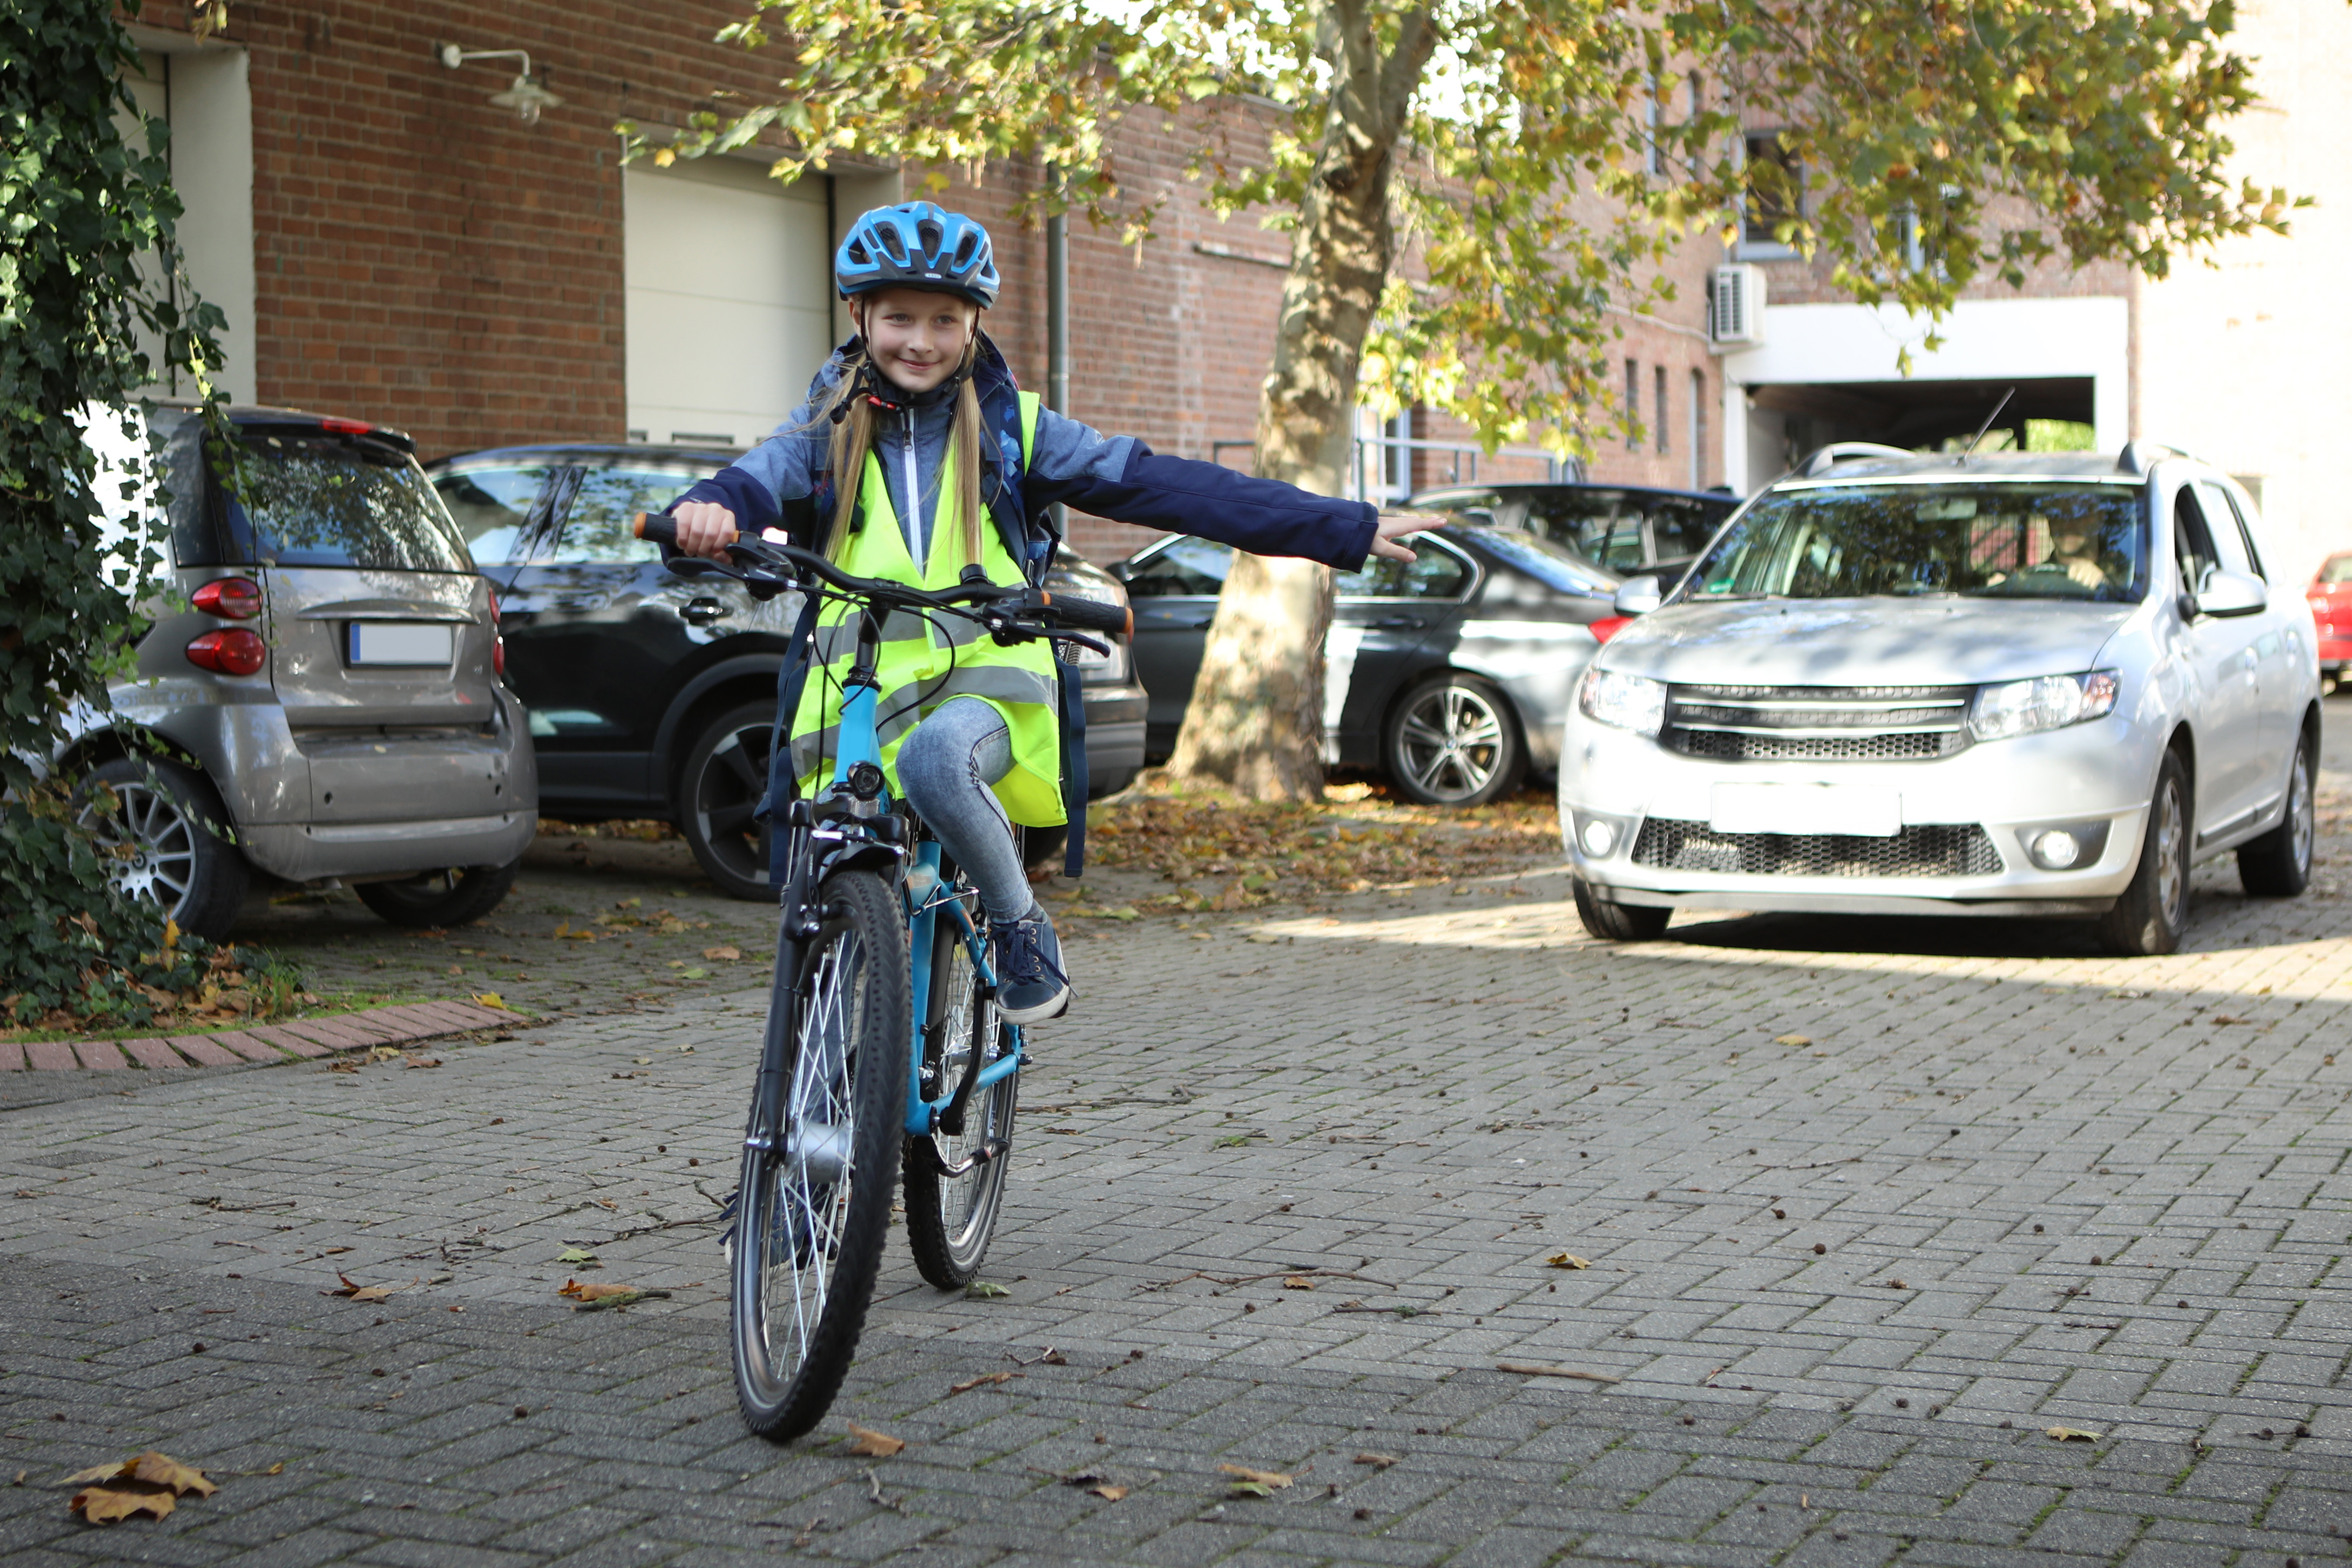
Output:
(946, 765)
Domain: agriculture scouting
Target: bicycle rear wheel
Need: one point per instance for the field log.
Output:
(814, 1209)
(955, 1177)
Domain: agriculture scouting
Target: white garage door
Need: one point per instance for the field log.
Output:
(729, 288)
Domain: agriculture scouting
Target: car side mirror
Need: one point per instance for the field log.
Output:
(2229, 593)
(1639, 595)
(1121, 570)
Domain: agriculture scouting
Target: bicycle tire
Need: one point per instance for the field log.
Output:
(809, 1232)
(952, 1202)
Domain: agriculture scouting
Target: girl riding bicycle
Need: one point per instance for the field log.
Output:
(917, 459)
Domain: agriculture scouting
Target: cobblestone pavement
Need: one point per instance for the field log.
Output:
(1867, 1207)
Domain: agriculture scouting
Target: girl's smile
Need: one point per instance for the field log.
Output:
(916, 337)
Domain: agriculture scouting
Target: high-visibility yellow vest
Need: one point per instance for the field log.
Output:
(924, 663)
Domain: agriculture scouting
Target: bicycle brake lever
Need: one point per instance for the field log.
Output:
(1085, 642)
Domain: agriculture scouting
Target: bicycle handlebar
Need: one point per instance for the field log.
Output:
(1029, 604)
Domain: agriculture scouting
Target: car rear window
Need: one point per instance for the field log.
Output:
(2019, 539)
(305, 498)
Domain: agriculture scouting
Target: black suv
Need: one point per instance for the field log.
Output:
(1626, 528)
(651, 696)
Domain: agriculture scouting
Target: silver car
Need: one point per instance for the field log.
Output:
(321, 698)
(2006, 685)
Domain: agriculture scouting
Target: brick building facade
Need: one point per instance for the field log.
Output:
(388, 244)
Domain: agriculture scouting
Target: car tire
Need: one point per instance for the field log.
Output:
(1453, 739)
(1619, 923)
(723, 782)
(175, 826)
(455, 896)
(2278, 864)
(2153, 912)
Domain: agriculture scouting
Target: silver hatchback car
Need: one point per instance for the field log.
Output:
(2006, 685)
(321, 699)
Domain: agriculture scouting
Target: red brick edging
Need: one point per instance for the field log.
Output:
(261, 1043)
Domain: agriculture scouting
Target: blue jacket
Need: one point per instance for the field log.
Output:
(784, 480)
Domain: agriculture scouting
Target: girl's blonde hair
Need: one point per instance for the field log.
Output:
(853, 439)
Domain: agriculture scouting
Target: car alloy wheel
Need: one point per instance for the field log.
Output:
(719, 792)
(161, 845)
(2172, 866)
(149, 847)
(1452, 741)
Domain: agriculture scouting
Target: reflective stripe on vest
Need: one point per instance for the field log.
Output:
(924, 663)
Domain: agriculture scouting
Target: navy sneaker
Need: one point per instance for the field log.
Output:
(1030, 985)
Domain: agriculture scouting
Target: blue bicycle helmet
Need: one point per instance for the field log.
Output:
(917, 245)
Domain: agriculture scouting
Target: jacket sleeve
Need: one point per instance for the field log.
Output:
(1121, 479)
(758, 486)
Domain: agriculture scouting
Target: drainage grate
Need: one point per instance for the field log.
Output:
(1933, 849)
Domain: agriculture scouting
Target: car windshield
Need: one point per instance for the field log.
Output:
(1553, 565)
(330, 501)
(2041, 539)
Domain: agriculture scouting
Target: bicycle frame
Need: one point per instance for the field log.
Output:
(929, 904)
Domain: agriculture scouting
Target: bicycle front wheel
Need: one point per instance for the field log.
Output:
(955, 1177)
(814, 1207)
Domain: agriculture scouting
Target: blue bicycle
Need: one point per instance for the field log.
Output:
(879, 932)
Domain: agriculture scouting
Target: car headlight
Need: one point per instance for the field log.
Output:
(1633, 702)
(2044, 703)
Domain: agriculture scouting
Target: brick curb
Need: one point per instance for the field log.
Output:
(288, 1041)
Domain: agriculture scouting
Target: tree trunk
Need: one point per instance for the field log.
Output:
(1256, 721)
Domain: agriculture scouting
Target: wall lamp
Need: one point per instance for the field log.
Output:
(525, 97)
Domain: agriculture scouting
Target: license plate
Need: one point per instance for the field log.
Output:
(1856, 809)
(402, 642)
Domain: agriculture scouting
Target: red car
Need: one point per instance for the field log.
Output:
(2331, 607)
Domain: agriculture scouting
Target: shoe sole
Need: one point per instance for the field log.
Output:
(1044, 1012)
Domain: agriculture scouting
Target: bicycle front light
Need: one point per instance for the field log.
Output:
(2045, 702)
(1633, 702)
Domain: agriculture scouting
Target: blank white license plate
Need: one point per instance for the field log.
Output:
(1855, 809)
(402, 642)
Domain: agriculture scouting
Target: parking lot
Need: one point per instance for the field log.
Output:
(1862, 1210)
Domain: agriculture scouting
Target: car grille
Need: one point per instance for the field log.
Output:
(1933, 849)
(1821, 723)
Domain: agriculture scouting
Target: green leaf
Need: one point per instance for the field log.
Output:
(984, 1290)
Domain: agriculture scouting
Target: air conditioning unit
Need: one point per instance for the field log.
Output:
(1735, 312)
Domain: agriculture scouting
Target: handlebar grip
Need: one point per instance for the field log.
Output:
(656, 529)
(1089, 615)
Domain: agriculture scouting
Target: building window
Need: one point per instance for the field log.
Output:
(1775, 192)
(1632, 406)
(1658, 410)
(1698, 429)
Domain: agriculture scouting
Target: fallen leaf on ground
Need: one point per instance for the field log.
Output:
(1537, 1369)
(331, 1251)
(160, 1469)
(1252, 1488)
(1566, 1260)
(593, 1292)
(1107, 1491)
(1250, 1477)
(425, 1061)
(2073, 1434)
(697, 973)
(1298, 1282)
(1792, 1041)
(985, 1289)
(491, 999)
(869, 1444)
(1096, 1482)
(1378, 1461)
(983, 1380)
(728, 953)
(105, 1472)
(356, 1291)
(575, 1255)
(109, 1505)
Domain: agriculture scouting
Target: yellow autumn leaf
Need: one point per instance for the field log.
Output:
(1566, 1260)
(2073, 1434)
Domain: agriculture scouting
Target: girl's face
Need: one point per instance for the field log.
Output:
(915, 337)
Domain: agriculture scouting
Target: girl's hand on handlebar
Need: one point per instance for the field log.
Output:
(1395, 525)
(705, 528)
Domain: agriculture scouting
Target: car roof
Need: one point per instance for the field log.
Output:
(577, 451)
(1513, 486)
(178, 411)
(1983, 465)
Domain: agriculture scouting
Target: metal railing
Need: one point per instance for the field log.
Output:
(1456, 473)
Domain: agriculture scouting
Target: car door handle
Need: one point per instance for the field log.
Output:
(703, 611)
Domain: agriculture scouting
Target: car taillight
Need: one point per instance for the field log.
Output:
(498, 656)
(233, 652)
(1608, 627)
(494, 607)
(231, 598)
(346, 426)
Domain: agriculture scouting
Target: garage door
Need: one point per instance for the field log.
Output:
(730, 298)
